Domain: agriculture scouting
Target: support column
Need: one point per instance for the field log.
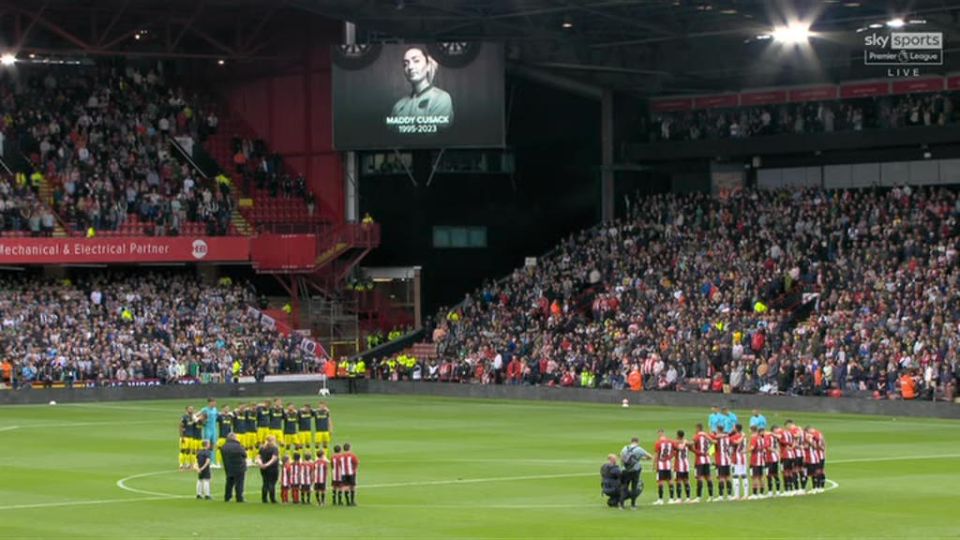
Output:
(607, 207)
(351, 187)
(417, 298)
(351, 178)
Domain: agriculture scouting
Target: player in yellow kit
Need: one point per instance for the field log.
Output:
(189, 434)
(324, 428)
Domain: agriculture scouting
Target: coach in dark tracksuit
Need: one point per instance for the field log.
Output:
(234, 458)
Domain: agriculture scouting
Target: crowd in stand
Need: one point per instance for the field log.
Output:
(160, 327)
(21, 211)
(804, 292)
(937, 109)
(102, 136)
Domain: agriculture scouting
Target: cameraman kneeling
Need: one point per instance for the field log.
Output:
(610, 483)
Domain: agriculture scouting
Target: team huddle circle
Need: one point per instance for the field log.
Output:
(289, 445)
(763, 461)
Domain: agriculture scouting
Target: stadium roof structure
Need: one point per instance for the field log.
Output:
(202, 29)
(663, 46)
(647, 47)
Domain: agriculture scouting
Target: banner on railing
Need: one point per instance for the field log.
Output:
(293, 377)
(138, 249)
(307, 344)
(864, 89)
(115, 383)
(268, 322)
(310, 346)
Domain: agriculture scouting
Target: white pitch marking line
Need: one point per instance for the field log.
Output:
(892, 458)
(480, 480)
(490, 460)
(122, 484)
(117, 407)
(83, 424)
(585, 504)
(9, 428)
(80, 503)
(155, 496)
(831, 486)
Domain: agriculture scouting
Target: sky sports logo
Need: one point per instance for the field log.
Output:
(903, 49)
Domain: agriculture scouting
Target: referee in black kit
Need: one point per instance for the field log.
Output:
(269, 463)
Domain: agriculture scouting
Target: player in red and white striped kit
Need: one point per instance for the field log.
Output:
(787, 455)
(819, 449)
(701, 452)
(741, 485)
(336, 475)
(295, 479)
(681, 466)
(799, 469)
(722, 454)
(757, 461)
(349, 465)
(320, 478)
(286, 479)
(771, 444)
(305, 477)
(809, 460)
(664, 452)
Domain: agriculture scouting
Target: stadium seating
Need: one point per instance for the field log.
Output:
(159, 326)
(101, 138)
(776, 291)
(283, 202)
(811, 117)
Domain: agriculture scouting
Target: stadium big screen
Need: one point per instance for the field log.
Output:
(418, 96)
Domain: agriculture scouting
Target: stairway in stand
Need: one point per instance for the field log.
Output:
(240, 223)
(46, 197)
(265, 208)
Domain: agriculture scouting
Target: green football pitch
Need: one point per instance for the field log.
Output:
(451, 468)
